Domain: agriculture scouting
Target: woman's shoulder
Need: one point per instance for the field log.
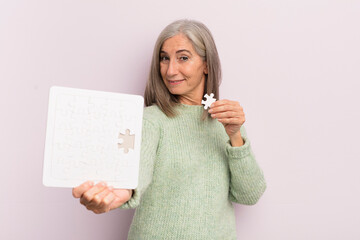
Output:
(153, 114)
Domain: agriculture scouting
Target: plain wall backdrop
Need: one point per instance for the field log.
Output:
(292, 65)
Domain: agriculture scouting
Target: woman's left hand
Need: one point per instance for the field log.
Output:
(230, 114)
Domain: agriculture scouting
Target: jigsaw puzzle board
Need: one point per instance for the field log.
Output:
(92, 135)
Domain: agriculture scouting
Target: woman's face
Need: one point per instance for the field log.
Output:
(182, 69)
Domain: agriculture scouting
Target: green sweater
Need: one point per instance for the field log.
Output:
(189, 174)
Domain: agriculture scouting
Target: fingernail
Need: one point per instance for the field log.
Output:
(110, 188)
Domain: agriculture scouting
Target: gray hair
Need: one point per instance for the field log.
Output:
(201, 38)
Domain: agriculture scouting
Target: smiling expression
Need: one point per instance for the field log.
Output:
(182, 69)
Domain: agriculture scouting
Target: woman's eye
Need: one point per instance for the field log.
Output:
(184, 58)
(163, 58)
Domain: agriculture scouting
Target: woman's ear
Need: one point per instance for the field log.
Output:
(206, 68)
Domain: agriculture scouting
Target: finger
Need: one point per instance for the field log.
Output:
(224, 108)
(78, 191)
(105, 204)
(237, 120)
(223, 102)
(227, 114)
(97, 200)
(121, 197)
(88, 196)
(123, 194)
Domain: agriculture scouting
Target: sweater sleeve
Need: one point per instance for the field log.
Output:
(247, 182)
(149, 143)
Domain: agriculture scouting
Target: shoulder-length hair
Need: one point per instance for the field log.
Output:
(201, 38)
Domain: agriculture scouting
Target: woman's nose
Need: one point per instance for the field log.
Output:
(173, 68)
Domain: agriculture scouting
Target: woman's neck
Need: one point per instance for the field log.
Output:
(190, 100)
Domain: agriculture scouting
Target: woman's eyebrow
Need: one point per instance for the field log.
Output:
(178, 51)
(183, 50)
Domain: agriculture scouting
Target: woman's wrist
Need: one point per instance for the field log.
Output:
(236, 140)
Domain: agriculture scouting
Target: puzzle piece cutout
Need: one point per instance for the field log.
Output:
(127, 141)
(209, 100)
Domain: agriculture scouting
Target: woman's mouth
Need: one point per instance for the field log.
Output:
(175, 82)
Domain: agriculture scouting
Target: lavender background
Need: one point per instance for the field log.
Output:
(292, 65)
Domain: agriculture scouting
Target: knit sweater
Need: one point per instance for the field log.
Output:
(189, 175)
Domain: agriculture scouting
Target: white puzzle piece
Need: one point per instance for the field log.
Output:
(92, 135)
(209, 100)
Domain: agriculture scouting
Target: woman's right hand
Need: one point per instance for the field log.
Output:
(100, 198)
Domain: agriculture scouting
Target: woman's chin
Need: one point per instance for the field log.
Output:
(174, 92)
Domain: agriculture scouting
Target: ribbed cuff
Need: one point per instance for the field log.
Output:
(238, 152)
(133, 202)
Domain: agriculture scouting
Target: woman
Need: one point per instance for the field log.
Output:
(194, 162)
